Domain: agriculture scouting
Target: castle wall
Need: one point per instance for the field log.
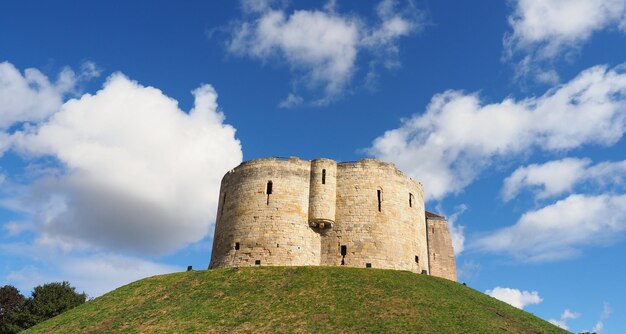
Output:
(389, 238)
(270, 228)
(320, 212)
(441, 251)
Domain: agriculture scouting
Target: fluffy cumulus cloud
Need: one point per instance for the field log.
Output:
(458, 135)
(515, 297)
(321, 46)
(553, 178)
(133, 173)
(558, 230)
(565, 316)
(556, 177)
(30, 96)
(547, 29)
(551, 25)
(95, 274)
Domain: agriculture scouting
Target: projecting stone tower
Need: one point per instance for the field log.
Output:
(292, 212)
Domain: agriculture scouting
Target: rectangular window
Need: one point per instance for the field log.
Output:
(344, 250)
(417, 259)
(380, 198)
(257, 262)
(236, 246)
(368, 265)
(268, 191)
(323, 176)
(410, 200)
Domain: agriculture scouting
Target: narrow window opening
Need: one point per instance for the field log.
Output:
(268, 191)
(417, 259)
(424, 272)
(223, 204)
(368, 265)
(410, 200)
(379, 193)
(257, 262)
(277, 245)
(323, 176)
(236, 246)
(433, 229)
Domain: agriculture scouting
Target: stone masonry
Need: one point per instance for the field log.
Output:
(440, 251)
(292, 212)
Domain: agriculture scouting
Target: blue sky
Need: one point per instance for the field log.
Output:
(118, 120)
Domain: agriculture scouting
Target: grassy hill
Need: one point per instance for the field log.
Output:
(295, 299)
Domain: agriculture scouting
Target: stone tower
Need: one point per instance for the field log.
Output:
(440, 250)
(292, 212)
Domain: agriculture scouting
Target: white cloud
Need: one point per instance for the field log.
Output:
(554, 177)
(457, 232)
(89, 70)
(458, 136)
(256, 6)
(291, 101)
(557, 177)
(323, 45)
(94, 274)
(606, 312)
(515, 297)
(544, 30)
(5, 142)
(102, 273)
(548, 27)
(30, 97)
(558, 230)
(320, 45)
(565, 316)
(135, 172)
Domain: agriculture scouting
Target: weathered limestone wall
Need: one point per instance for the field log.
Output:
(389, 238)
(440, 247)
(270, 228)
(320, 212)
(323, 193)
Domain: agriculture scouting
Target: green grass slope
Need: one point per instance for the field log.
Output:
(295, 300)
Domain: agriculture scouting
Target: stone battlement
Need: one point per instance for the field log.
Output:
(293, 212)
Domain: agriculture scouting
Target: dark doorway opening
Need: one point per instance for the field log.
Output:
(344, 252)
